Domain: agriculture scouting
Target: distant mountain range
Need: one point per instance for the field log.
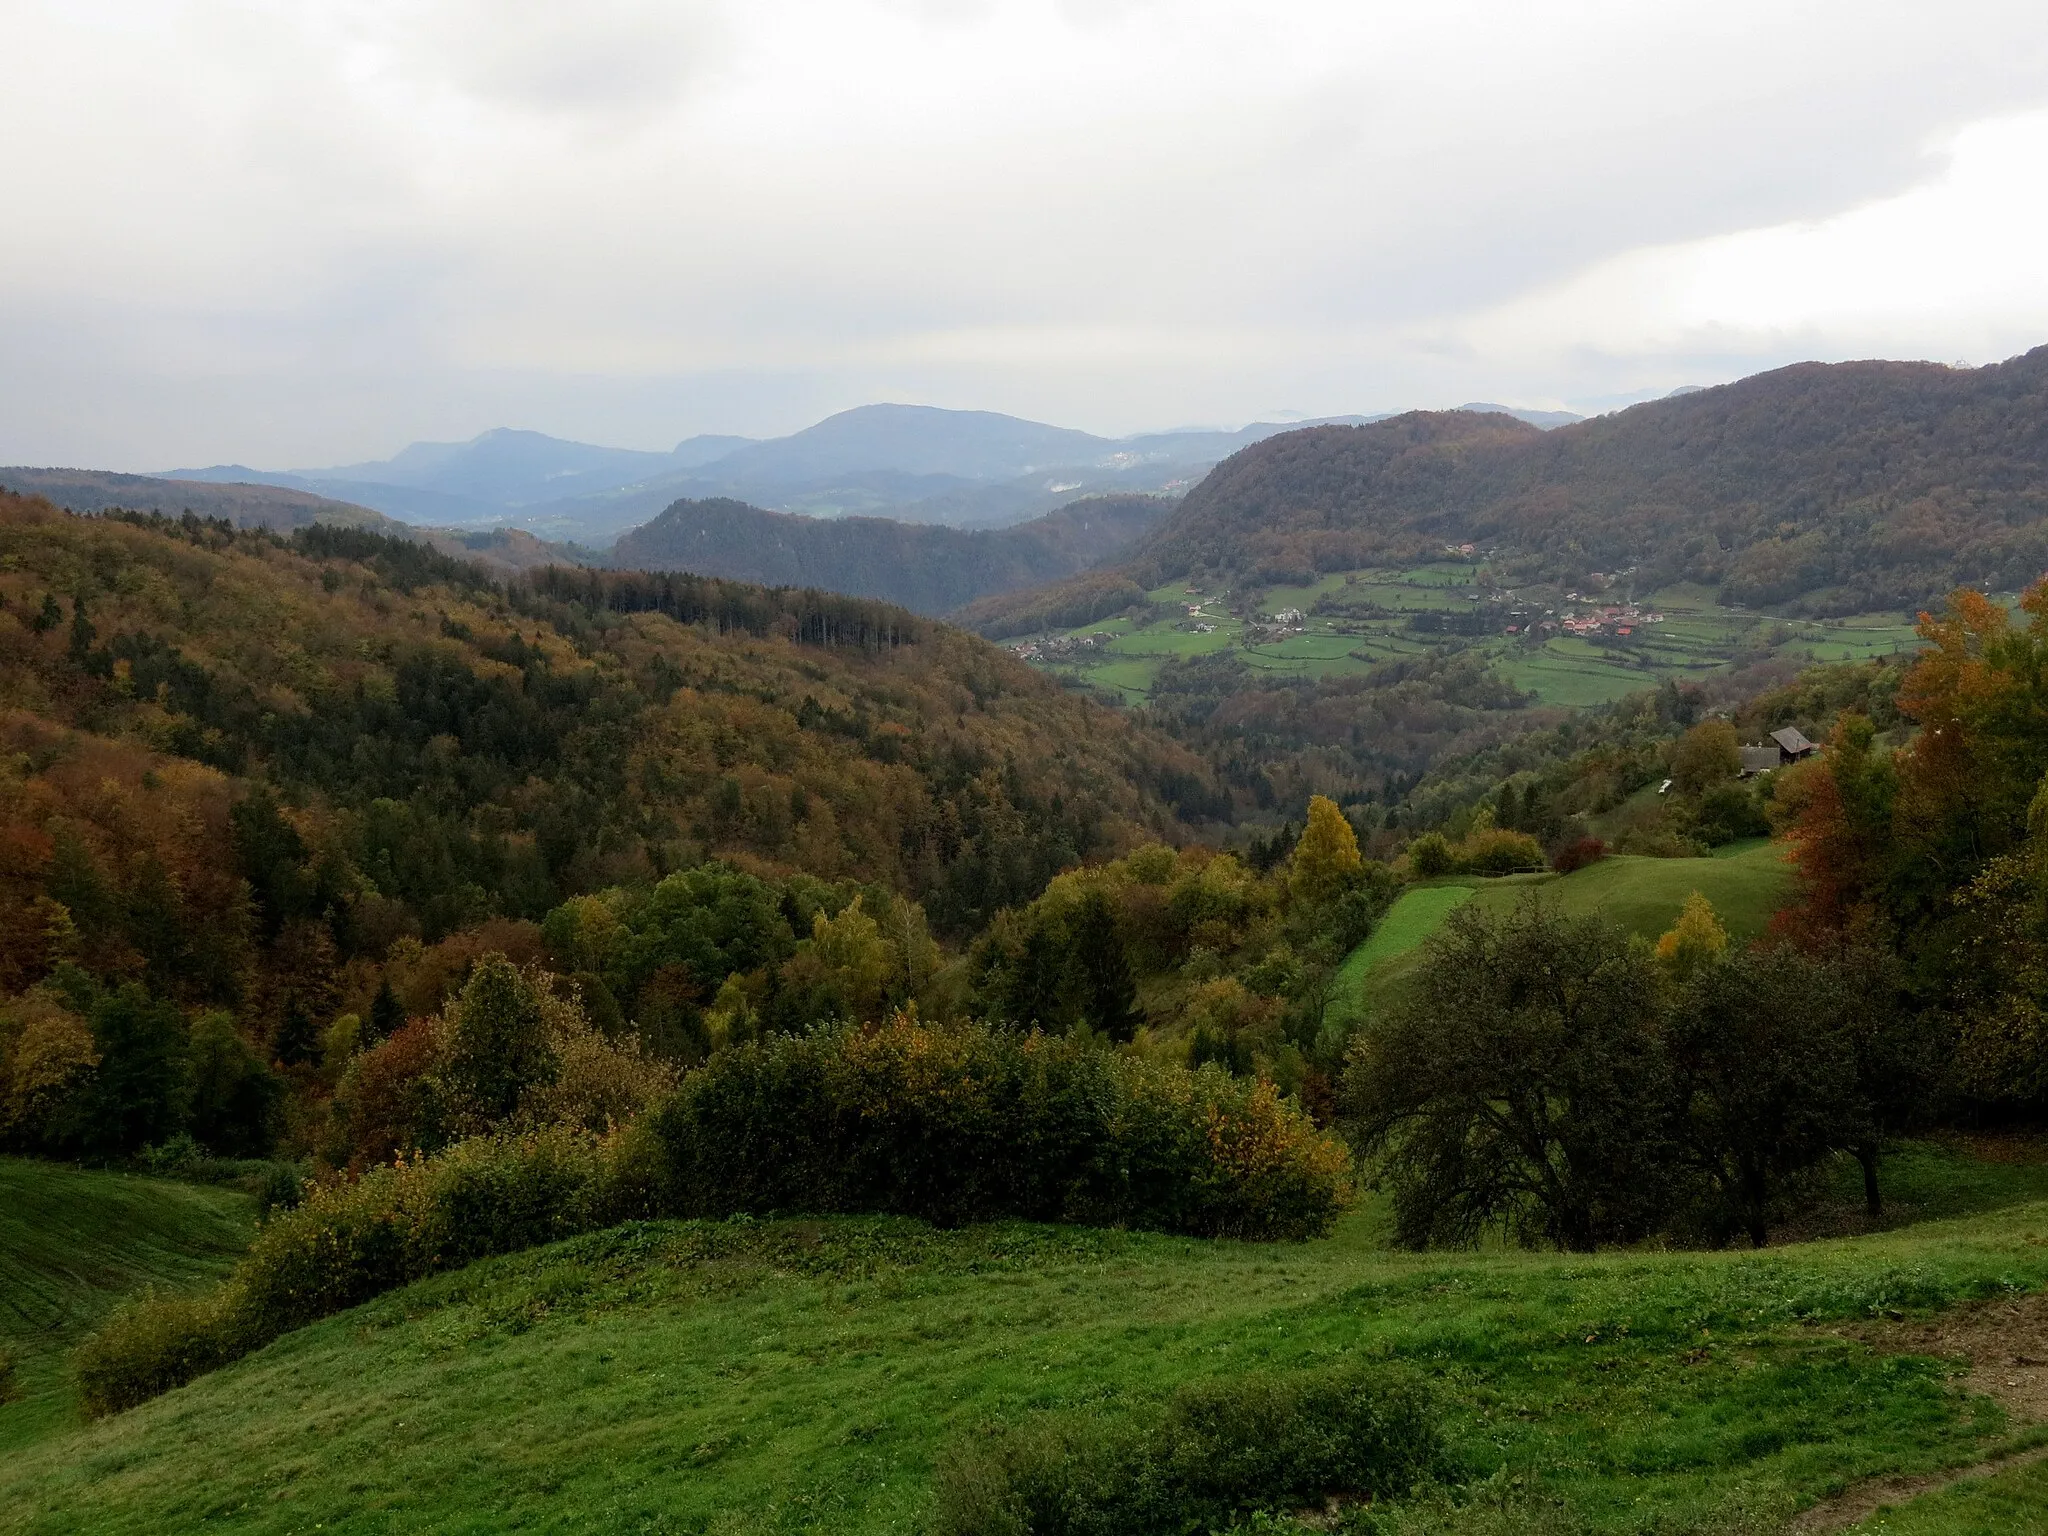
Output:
(969, 469)
(979, 504)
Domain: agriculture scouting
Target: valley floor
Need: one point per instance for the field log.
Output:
(803, 1375)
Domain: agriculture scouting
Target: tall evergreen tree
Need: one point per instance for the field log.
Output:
(387, 1014)
(1102, 972)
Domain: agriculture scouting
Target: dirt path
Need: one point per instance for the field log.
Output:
(2006, 1345)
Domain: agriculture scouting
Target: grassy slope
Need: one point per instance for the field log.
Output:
(72, 1243)
(1418, 913)
(1746, 882)
(800, 1376)
(2013, 1503)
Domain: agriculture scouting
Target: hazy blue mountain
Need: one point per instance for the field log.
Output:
(1544, 419)
(911, 463)
(969, 469)
(507, 467)
(916, 440)
(485, 478)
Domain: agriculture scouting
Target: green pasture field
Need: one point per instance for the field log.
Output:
(1574, 681)
(802, 1375)
(72, 1242)
(1133, 679)
(1417, 913)
(1162, 640)
(1858, 642)
(1409, 596)
(1747, 882)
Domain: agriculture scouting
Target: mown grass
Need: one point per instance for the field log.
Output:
(1572, 681)
(1414, 916)
(72, 1243)
(1746, 882)
(1642, 895)
(802, 1375)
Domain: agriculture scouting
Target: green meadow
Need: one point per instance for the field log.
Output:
(1747, 882)
(72, 1244)
(787, 1376)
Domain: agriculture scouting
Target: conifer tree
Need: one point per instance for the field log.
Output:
(387, 1013)
(1108, 995)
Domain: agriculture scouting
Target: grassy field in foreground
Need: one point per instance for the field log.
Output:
(2012, 1503)
(802, 1375)
(1746, 882)
(72, 1243)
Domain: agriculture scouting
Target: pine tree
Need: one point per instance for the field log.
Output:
(387, 1014)
(297, 1039)
(1102, 972)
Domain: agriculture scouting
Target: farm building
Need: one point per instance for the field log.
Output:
(1793, 743)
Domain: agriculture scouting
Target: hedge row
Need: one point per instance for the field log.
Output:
(950, 1125)
(963, 1125)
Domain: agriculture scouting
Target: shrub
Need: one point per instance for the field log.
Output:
(1430, 855)
(1221, 1449)
(1727, 812)
(1577, 854)
(970, 1124)
(153, 1345)
(1498, 851)
(46, 1055)
(508, 1053)
(347, 1242)
(390, 1099)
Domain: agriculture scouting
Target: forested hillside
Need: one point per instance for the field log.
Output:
(1824, 488)
(926, 567)
(246, 505)
(243, 773)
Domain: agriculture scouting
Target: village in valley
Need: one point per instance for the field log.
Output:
(1584, 643)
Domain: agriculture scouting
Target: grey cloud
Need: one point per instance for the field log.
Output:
(630, 222)
(595, 57)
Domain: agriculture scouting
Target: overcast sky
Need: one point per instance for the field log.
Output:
(299, 232)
